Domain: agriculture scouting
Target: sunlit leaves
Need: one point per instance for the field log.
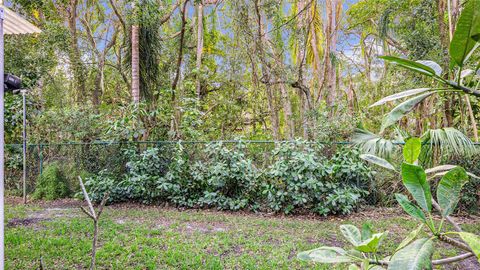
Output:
(410, 237)
(402, 109)
(415, 180)
(473, 241)
(327, 255)
(415, 256)
(409, 207)
(466, 32)
(412, 149)
(448, 191)
(400, 95)
(377, 161)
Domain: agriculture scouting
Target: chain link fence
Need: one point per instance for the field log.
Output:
(91, 158)
(75, 158)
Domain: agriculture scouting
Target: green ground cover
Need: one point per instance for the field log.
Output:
(140, 237)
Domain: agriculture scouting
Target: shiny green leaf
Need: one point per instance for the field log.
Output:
(415, 256)
(402, 109)
(466, 32)
(449, 188)
(409, 207)
(351, 233)
(412, 149)
(415, 180)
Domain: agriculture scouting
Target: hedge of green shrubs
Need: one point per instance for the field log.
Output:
(52, 183)
(299, 177)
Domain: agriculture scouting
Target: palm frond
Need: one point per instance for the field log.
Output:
(371, 143)
(445, 143)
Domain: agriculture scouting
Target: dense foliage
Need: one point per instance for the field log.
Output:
(52, 184)
(305, 69)
(299, 178)
(414, 252)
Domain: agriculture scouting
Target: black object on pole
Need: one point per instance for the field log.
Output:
(12, 82)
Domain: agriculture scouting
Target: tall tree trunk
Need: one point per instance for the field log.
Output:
(287, 111)
(74, 52)
(99, 83)
(333, 11)
(266, 73)
(305, 98)
(199, 48)
(175, 125)
(135, 64)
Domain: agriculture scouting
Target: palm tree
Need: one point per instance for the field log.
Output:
(135, 61)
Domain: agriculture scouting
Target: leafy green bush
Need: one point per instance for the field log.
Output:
(301, 177)
(97, 185)
(52, 183)
(226, 178)
(178, 185)
(230, 178)
(413, 252)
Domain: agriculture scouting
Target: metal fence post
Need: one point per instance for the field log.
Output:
(40, 155)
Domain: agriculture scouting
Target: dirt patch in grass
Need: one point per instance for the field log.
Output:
(51, 213)
(17, 222)
(214, 227)
(470, 263)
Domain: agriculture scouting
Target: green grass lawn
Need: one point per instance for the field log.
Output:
(135, 237)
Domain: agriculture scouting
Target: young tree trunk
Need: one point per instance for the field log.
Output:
(199, 47)
(74, 52)
(175, 125)
(305, 98)
(287, 111)
(333, 11)
(135, 64)
(266, 73)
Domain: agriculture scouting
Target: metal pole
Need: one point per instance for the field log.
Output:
(24, 136)
(2, 141)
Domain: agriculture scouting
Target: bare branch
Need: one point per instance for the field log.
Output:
(86, 212)
(453, 259)
(102, 204)
(87, 198)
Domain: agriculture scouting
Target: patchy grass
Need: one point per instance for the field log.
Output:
(139, 237)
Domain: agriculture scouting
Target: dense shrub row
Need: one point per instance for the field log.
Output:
(299, 177)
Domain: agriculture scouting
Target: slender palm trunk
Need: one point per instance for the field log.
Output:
(135, 64)
(199, 48)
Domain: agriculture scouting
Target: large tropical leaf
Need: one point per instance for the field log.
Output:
(415, 256)
(327, 255)
(410, 237)
(409, 207)
(412, 65)
(371, 244)
(440, 168)
(412, 149)
(366, 231)
(415, 180)
(403, 108)
(372, 143)
(447, 142)
(377, 161)
(473, 241)
(433, 65)
(351, 233)
(448, 190)
(466, 32)
(400, 95)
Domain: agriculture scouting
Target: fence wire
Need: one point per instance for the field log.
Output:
(91, 158)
